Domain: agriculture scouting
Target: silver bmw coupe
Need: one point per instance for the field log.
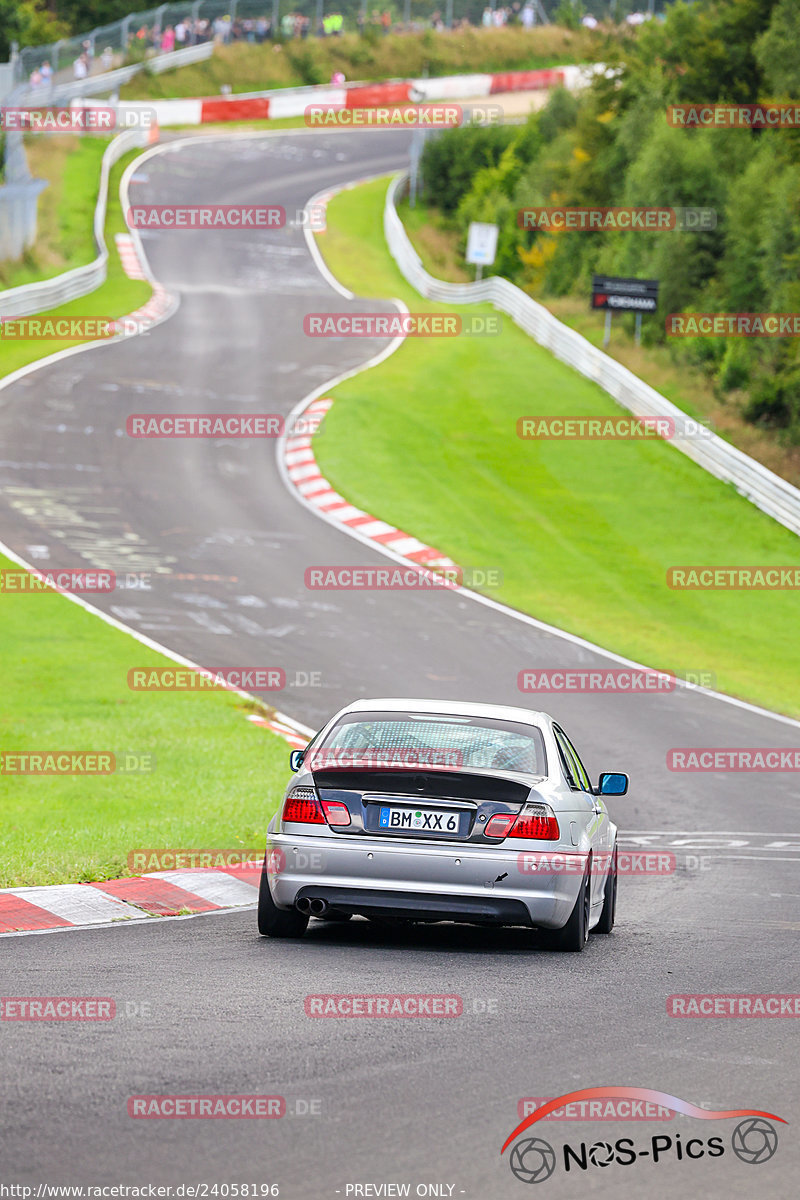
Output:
(429, 810)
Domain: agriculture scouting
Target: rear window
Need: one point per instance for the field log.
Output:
(376, 739)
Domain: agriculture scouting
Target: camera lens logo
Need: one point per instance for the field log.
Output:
(601, 1154)
(533, 1160)
(754, 1140)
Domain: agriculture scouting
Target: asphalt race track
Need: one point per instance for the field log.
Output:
(425, 1102)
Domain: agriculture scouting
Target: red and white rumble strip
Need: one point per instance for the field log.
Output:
(159, 303)
(307, 479)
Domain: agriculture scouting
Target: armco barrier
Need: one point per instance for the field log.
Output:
(107, 82)
(766, 490)
(49, 293)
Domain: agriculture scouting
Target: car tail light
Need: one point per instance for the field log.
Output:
(336, 812)
(499, 826)
(303, 807)
(535, 821)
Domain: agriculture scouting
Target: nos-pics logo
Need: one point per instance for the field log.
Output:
(754, 1140)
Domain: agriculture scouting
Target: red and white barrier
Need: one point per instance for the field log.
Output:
(293, 102)
(450, 87)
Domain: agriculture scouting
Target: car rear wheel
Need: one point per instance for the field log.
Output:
(274, 921)
(608, 915)
(574, 935)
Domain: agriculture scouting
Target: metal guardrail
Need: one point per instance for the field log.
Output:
(770, 493)
(111, 81)
(49, 293)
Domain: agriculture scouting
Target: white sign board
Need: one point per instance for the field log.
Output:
(481, 243)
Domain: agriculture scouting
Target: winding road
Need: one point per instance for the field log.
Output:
(369, 1102)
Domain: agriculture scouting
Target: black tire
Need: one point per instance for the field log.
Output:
(574, 935)
(274, 921)
(609, 913)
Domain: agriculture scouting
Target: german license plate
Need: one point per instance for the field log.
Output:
(419, 820)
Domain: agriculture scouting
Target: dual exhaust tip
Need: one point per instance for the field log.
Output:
(312, 908)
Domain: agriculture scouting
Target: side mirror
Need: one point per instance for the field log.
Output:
(612, 783)
(296, 759)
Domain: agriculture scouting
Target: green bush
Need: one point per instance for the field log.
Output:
(452, 159)
(611, 146)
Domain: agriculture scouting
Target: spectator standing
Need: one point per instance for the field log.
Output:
(80, 68)
(180, 33)
(486, 18)
(528, 16)
(168, 40)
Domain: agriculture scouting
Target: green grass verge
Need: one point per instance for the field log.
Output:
(583, 532)
(216, 778)
(65, 217)
(117, 296)
(439, 244)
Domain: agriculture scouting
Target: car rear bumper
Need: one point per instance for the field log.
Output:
(419, 880)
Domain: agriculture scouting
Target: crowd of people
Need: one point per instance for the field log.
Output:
(224, 29)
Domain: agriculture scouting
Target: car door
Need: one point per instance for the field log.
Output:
(598, 822)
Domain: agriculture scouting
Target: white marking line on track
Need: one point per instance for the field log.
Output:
(754, 833)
